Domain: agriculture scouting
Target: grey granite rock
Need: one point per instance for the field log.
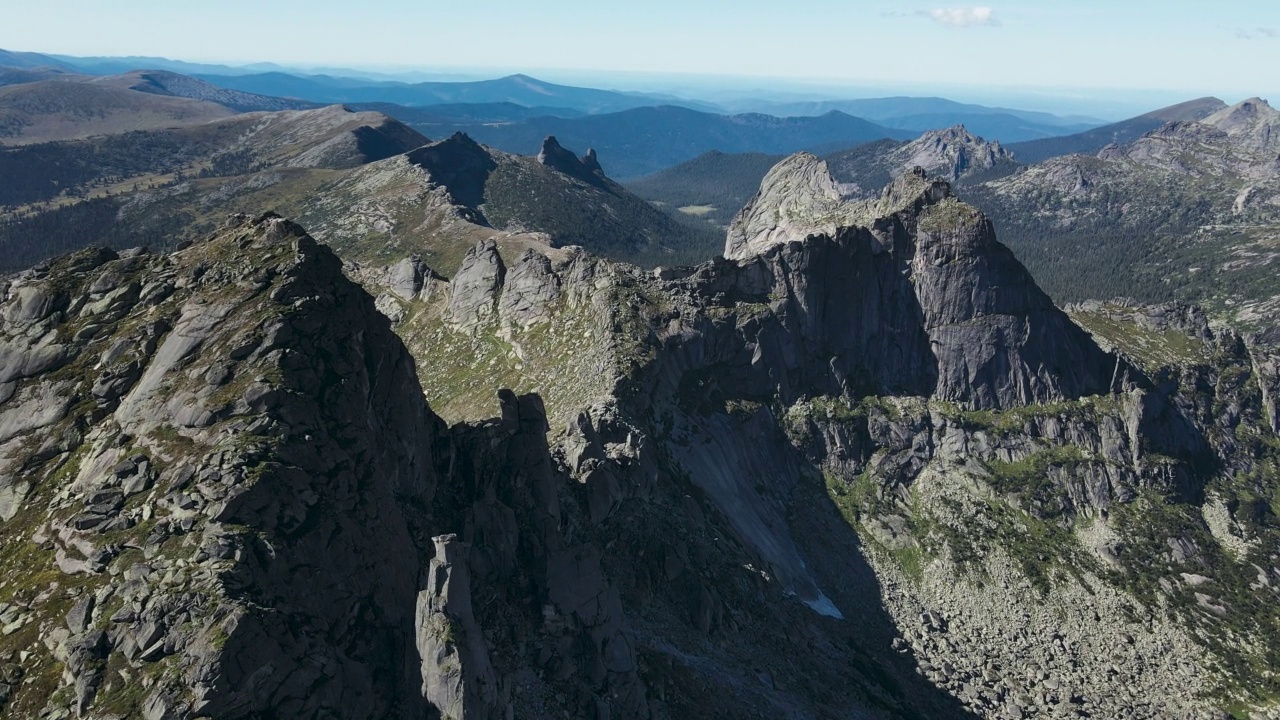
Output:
(473, 292)
(530, 290)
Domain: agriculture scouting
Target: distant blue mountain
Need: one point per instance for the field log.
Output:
(931, 113)
(516, 89)
(644, 140)
(442, 117)
(31, 61)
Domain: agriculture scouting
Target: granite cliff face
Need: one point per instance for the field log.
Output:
(226, 496)
(222, 427)
(1027, 503)
(860, 467)
(920, 300)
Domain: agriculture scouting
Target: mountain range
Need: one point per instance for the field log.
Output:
(1091, 141)
(1186, 200)
(860, 463)
(358, 177)
(902, 425)
(1184, 211)
(920, 114)
(641, 141)
(349, 86)
(517, 89)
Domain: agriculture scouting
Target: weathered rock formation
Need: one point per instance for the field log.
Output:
(587, 168)
(922, 300)
(903, 376)
(862, 466)
(953, 154)
(239, 491)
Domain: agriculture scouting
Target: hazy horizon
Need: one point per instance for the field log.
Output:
(1104, 103)
(960, 35)
(1011, 49)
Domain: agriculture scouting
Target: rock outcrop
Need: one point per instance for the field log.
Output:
(939, 307)
(951, 153)
(473, 296)
(587, 168)
(244, 505)
(954, 155)
(861, 467)
(797, 197)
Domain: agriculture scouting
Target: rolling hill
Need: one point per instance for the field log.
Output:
(31, 61)
(713, 186)
(437, 119)
(1093, 140)
(63, 195)
(59, 110)
(330, 138)
(516, 89)
(162, 82)
(20, 76)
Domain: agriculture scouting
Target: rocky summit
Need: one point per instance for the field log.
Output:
(954, 154)
(860, 466)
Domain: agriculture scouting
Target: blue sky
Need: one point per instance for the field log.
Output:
(1228, 47)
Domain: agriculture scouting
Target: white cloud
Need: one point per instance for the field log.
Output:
(1258, 33)
(965, 17)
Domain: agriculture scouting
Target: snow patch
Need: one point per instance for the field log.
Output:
(823, 606)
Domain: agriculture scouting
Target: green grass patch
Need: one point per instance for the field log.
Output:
(1150, 349)
(911, 560)
(1029, 478)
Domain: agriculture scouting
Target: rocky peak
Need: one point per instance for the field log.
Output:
(1244, 113)
(797, 197)
(1242, 138)
(911, 191)
(1252, 123)
(951, 153)
(591, 162)
(587, 168)
(204, 437)
(970, 324)
(458, 164)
